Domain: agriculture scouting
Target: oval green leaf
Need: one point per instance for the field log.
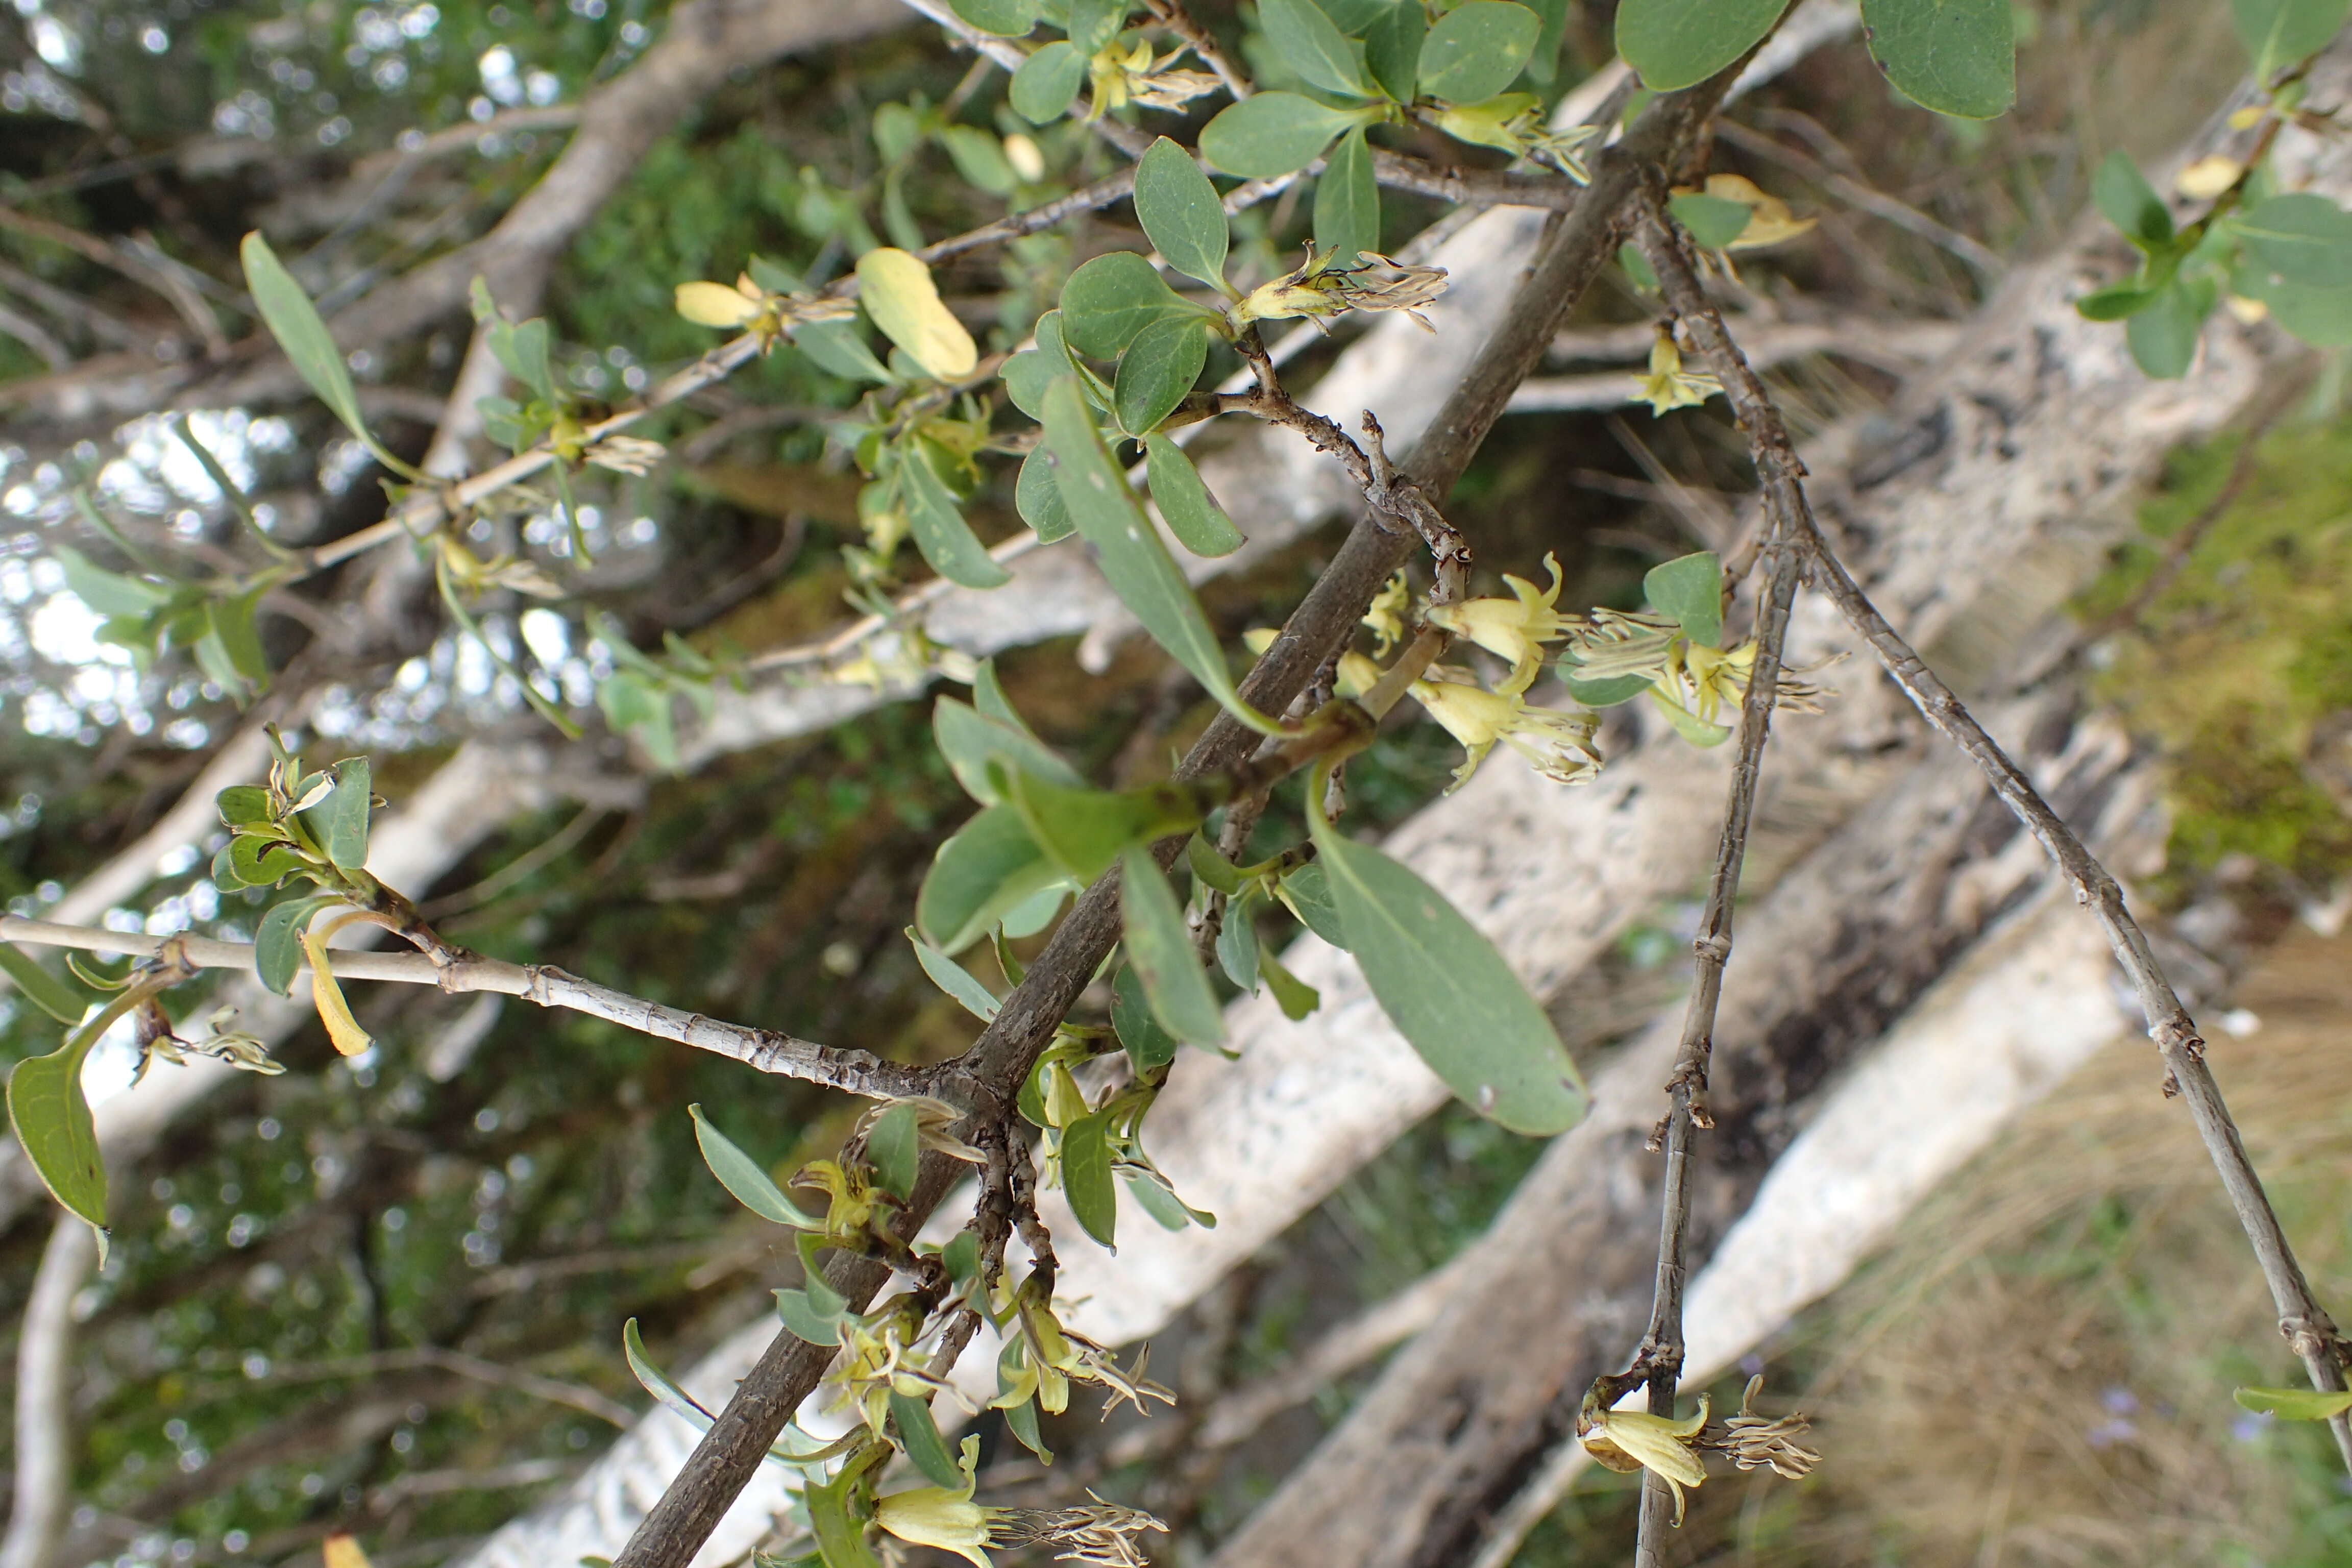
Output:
(971, 741)
(1690, 590)
(58, 998)
(1476, 49)
(1087, 1177)
(1156, 370)
(1038, 500)
(894, 1147)
(946, 541)
(2126, 200)
(1046, 82)
(1128, 550)
(52, 1119)
(919, 1436)
(989, 866)
(1677, 44)
(2301, 238)
(2294, 1404)
(1307, 41)
(1955, 57)
(1001, 19)
(1448, 992)
(1160, 948)
(278, 942)
(1393, 50)
(1083, 830)
(2279, 33)
(1179, 210)
(1192, 513)
(1714, 222)
(2163, 337)
(1272, 133)
(1307, 891)
(295, 322)
(954, 979)
(798, 1313)
(1348, 201)
(1148, 1045)
(340, 821)
(1112, 299)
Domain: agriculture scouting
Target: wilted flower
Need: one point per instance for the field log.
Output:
(1052, 1357)
(1123, 76)
(1753, 1442)
(1668, 385)
(1101, 1533)
(1556, 744)
(631, 455)
(513, 572)
(879, 1358)
(1515, 123)
(157, 1042)
(1515, 628)
(1628, 1440)
(1612, 644)
(1317, 290)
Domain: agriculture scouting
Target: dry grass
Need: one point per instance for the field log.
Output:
(2040, 1373)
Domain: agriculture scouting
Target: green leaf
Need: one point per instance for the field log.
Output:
(1393, 50)
(1293, 995)
(840, 1533)
(58, 998)
(1020, 1419)
(2280, 33)
(989, 866)
(1272, 133)
(837, 347)
(1476, 49)
(1001, 19)
(2301, 238)
(894, 1147)
(1154, 1198)
(1211, 868)
(742, 1177)
(1690, 590)
(980, 158)
(1085, 1177)
(278, 942)
(798, 1313)
(1046, 81)
(962, 1257)
(2116, 301)
(1179, 210)
(1083, 830)
(955, 980)
(1149, 1046)
(242, 804)
(657, 1383)
(946, 540)
(1112, 299)
(971, 741)
(2321, 317)
(1307, 891)
(52, 1121)
(1039, 499)
(1608, 693)
(1447, 989)
(1348, 199)
(918, 1435)
(1688, 725)
(1677, 44)
(232, 620)
(2127, 201)
(1192, 513)
(2294, 1404)
(1355, 17)
(1307, 40)
(294, 321)
(1093, 23)
(340, 821)
(1714, 221)
(1156, 370)
(1237, 941)
(2163, 338)
(1955, 57)
(107, 593)
(1160, 949)
(1128, 550)
(1543, 61)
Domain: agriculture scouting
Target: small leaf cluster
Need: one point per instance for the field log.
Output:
(149, 613)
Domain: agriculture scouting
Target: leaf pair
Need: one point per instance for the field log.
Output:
(1955, 57)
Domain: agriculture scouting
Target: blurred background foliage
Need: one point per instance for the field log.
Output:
(323, 1287)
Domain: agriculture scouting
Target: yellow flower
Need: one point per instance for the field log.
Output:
(1385, 618)
(1515, 628)
(1355, 675)
(938, 1517)
(1627, 1440)
(854, 1200)
(1123, 76)
(1556, 744)
(1668, 385)
(2209, 176)
(1514, 122)
(716, 305)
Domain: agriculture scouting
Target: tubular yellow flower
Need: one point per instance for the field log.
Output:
(938, 1517)
(1515, 628)
(1628, 1440)
(717, 305)
(1385, 618)
(1556, 744)
(1668, 385)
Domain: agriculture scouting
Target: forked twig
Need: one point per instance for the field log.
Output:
(2306, 1324)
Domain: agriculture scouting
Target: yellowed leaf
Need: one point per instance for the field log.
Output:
(344, 1551)
(1769, 221)
(896, 290)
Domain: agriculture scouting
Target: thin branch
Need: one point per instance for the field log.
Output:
(1660, 1357)
(2304, 1323)
(555, 1390)
(766, 1051)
